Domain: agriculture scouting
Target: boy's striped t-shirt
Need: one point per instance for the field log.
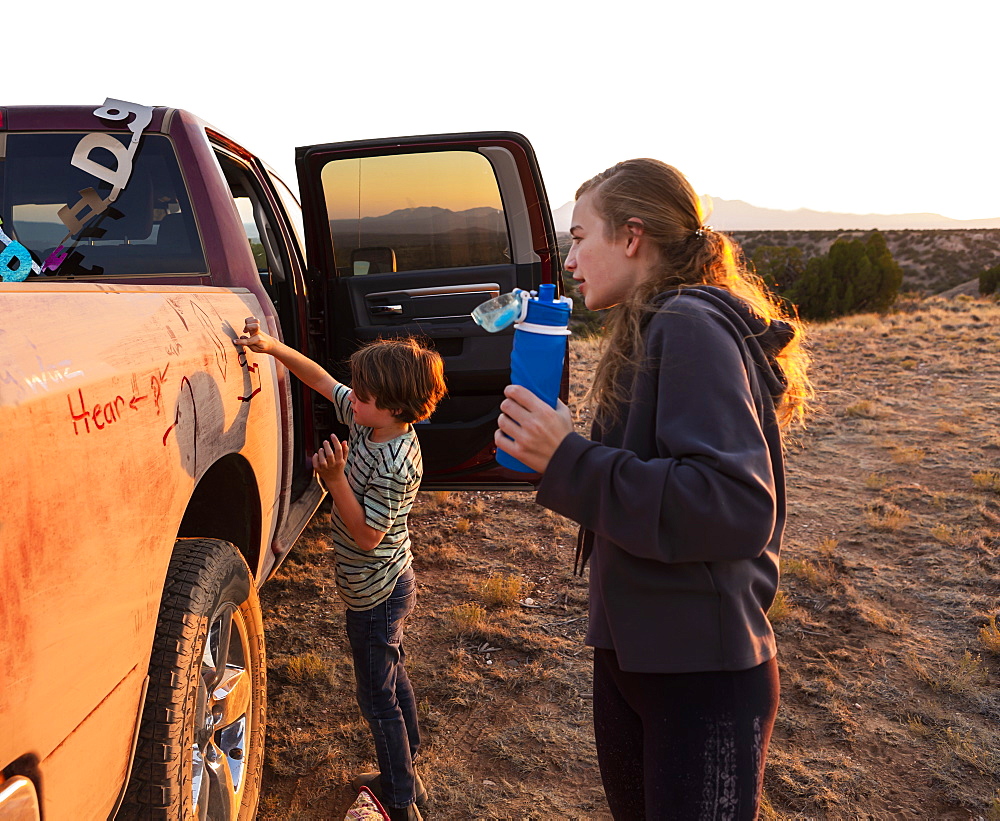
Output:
(385, 477)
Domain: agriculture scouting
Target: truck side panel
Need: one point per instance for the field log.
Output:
(134, 392)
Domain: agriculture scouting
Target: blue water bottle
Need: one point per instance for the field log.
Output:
(540, 334)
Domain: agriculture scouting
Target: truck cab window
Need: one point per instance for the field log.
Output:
(48, 206)
(257, 221)
(292, 209)
(414, 212)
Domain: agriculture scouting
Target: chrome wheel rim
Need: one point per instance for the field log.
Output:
(223, 719)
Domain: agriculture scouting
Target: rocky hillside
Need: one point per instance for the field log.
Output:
(932, 261)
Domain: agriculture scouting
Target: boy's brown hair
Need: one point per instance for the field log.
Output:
(402, 375)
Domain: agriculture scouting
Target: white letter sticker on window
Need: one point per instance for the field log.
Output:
(122, 156)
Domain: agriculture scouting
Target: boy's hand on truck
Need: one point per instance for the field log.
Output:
(254, 338)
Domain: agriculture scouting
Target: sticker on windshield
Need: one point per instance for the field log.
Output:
(15, 260)
(123, 155)
(91, 155)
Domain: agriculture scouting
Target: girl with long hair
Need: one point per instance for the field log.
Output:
(679, 493)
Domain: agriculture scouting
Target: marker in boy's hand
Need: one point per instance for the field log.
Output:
(253, 338)
(330, 460)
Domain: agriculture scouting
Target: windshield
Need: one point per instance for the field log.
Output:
(61, 215)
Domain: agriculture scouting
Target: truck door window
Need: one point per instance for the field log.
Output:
(149, 230)
(413, 212)
(257, 220)
(292, 208)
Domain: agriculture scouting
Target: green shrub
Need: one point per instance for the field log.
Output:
(989, 280)
(855, 276)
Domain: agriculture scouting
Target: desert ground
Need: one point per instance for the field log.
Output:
(889, 648)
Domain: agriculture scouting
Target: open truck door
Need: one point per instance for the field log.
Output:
(407, 236)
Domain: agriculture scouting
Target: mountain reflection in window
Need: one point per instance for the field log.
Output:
(413, 212)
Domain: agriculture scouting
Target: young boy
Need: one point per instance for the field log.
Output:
(373, 479)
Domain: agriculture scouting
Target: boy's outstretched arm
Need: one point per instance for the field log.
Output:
(329, 462)
(310, 372)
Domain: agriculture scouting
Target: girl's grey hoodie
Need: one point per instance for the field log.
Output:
(683, 494)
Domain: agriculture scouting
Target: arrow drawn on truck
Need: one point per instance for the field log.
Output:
(136, 399)
(213, 335)
(179, 313)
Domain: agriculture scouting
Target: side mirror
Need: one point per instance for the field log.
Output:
(374, 260)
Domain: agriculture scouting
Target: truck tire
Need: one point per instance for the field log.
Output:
(200, 749)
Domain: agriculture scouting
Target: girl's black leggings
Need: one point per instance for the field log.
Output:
(686, 746)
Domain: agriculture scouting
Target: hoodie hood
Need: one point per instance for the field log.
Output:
(765, 340)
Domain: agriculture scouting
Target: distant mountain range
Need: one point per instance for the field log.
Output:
(736, 215)
(423, 219)
(727, 215)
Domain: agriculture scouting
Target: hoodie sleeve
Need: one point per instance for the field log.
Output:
(707, 492)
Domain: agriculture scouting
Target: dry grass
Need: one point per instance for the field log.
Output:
(780, 608)
(307, 668)
(987, 480)
(863, 409)
(908, 455)
(502, 591)
(876, 481)
(468, 618)
(989, 635)
(950, 428)
(812, 574)
(886, 619)
(886, 516)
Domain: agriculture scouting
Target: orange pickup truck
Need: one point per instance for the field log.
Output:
(154, 475)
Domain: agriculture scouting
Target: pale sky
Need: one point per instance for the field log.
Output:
(861, 106)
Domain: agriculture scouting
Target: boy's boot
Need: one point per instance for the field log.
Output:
(408, 813)
(372, 782)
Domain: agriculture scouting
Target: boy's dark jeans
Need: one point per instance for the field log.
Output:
(384, 692)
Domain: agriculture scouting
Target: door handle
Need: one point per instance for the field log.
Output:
(382, 310)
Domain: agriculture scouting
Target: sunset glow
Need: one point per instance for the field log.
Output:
(455, 180)
(859, 107)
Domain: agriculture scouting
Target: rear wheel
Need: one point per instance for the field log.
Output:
(201, 741)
